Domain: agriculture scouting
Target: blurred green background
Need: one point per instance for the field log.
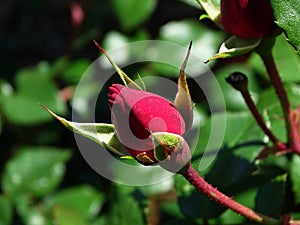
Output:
(46, 46)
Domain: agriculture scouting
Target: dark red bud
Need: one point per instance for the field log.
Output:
(248, 18)
(238, 80)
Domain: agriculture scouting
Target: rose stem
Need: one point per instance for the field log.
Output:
(276, 82)
(200, 184)
(239, 81)
(259, 120)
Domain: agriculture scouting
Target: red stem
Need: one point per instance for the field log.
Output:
(278, 85)
(200, 184)
(259, 120)
(292, 132)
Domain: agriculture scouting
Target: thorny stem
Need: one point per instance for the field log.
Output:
(246, 95)
(275, 80)
(200, 184)
(239, 81)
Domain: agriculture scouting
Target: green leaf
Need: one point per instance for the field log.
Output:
(287, 62)
(6, 211)
(294, 176)
(182, 221)
(33, 85)
(30, 211)
(132, 13)
(193, 203)
(235, 46)
(172, 209)
(75, 71)
(100, 221)
(270, 197)
(83, 200)
(66, 216)
(101, 133)
(183, 101)
(287, 14)
(269, 105)
(5, 89)
(35, 170)
(125, 206)
(230, 217)
(295, 215)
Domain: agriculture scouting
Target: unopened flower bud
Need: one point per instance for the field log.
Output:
(238, 80)
(248, 19)
(136, 114)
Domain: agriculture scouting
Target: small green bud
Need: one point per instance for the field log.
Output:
(238, 80)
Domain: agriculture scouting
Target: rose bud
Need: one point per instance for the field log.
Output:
(248, 18)
(136, 114)
(238, 81)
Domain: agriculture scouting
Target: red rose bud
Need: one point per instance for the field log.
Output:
(136, 114)
(248, 18)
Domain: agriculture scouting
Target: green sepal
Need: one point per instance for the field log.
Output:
(141, 82)
(212, 8)
(101, 133)
(183, 101)
(127, 157)
(125, 79)
(165, 144)
(235, 46)
(204, 16)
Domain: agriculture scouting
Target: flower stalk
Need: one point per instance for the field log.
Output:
(258, 118)
(200, 184)
(275, 80)
(239, 81)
